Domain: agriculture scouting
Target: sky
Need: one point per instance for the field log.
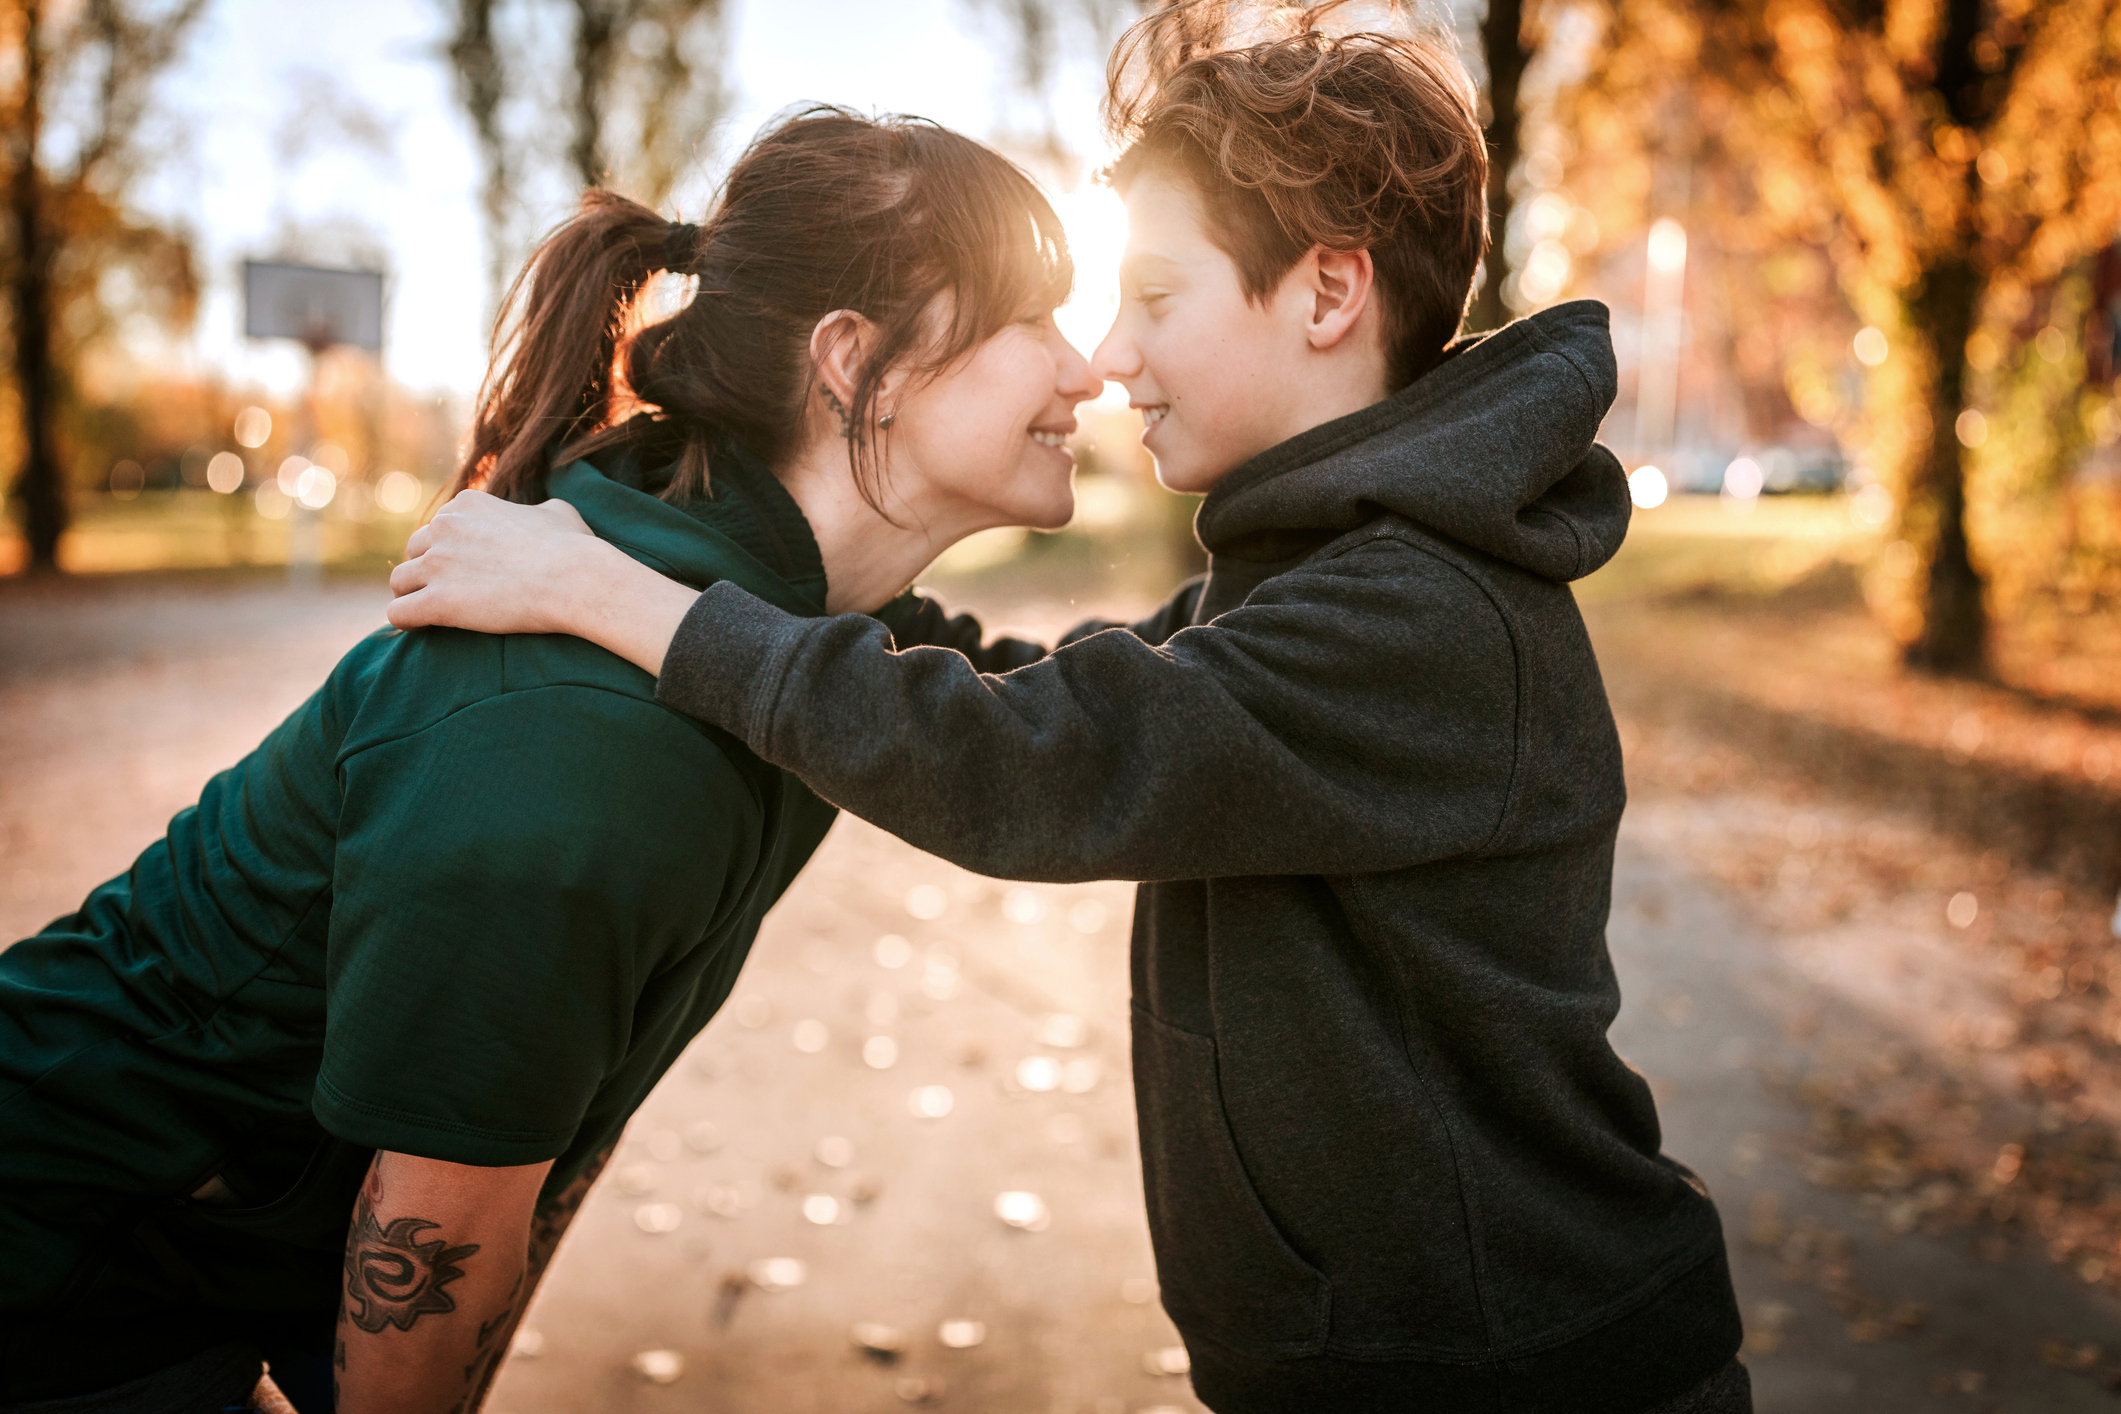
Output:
(254, 64)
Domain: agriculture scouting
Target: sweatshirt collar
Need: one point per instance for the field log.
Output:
(747, 529)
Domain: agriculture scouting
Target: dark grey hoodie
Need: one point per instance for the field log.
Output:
(1368, 774)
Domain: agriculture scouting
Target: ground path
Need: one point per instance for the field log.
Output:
(119, 697)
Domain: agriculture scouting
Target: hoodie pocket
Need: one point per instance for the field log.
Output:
(1225, 1269)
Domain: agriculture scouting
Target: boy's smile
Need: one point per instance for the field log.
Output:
(1218, 377)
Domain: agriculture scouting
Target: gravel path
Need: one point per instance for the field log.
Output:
(799, 1145)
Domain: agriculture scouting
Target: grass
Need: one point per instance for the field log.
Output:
(200, 530)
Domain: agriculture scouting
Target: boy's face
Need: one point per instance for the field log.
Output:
(1217, 378)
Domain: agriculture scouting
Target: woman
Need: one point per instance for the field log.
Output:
(347, 1046)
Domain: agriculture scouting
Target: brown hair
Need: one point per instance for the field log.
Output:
(1360, 141)
(939, 241)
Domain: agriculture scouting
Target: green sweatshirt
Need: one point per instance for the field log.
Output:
(468, 902)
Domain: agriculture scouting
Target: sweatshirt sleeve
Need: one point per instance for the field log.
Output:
(1352, 716)
(928, 625)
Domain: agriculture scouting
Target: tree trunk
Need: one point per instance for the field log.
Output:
(41, 485)
(481, 83)
(1954, 638)
(596, 32)
(1502, 41)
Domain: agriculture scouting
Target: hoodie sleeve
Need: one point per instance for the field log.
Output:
(1355, 715)
(929, 625)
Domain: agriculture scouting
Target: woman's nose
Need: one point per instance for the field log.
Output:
(1075, 381)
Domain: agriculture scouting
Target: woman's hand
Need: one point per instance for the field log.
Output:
(498, 567)
(495, 566)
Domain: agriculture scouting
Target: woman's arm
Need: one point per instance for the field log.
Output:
(437, 1272)
(548, 1224)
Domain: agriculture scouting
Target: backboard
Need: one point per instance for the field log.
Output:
(318, 306)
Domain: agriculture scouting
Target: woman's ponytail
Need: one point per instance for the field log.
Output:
(557, 340)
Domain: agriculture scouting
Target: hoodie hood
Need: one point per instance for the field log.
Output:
(1494, 447)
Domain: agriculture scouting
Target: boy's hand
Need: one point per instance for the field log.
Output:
(498, 567)
(436, 1278)
(493, 565)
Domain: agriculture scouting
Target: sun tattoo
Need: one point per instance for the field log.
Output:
(392, 1276)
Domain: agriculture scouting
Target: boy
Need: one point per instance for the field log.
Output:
(1365, 767)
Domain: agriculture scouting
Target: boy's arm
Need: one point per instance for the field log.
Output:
(437, 1271)
(929, 625)
(1353, 716)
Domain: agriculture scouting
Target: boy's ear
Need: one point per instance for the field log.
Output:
(1340, 284)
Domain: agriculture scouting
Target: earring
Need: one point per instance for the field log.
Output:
(884, 423)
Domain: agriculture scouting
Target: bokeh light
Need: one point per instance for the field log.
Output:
(1870, 346)
(253, 426)
(1026, 1211)
(1023, 906)
(315, 487)
(778, 1273)
(961, 1334)
(1667, 246)
(1647, 487)
(1546, 272)
(399, 493)
(1743, 479)
(931, 1101)
(225, 473)
(1873, 504)
(1038, 1074)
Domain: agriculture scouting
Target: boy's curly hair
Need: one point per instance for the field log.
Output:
(1295, 137)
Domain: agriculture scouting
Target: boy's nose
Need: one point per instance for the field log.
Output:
(1116, 359)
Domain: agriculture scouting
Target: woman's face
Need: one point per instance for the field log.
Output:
(981, 443)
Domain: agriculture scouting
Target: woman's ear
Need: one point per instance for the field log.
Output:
(840, 346)
(1341, 284)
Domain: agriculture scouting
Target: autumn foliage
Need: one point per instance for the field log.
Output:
(1958, 163)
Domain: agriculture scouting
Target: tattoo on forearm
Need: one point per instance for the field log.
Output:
(547, 1225)
(394, 1276)
(550, 1221)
